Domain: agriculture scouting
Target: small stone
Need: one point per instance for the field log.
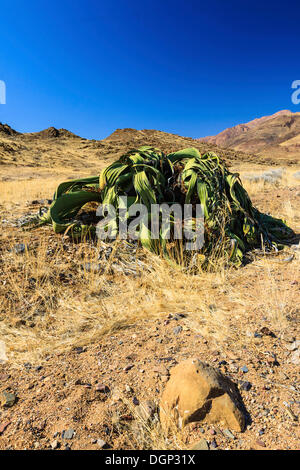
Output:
(213, 444)
(260, 443)
(146, 410)
(267, 332)
(135, 401)
(68, 434)
(229, 434)
(201, 445)
(3, 426)
(79, 349)
(244, 369)
(7, 399)
(128, 389)
(177, 330)
(246, 386)
(261, 432)
(129, 367)
(102, 388)
(101, 443)
(212, 432)
(54, 444)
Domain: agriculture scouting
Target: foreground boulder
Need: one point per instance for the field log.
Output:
(198, 392)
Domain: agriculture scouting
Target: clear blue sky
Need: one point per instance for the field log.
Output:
(183, 66)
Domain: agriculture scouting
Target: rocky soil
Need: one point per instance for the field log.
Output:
(92, 394)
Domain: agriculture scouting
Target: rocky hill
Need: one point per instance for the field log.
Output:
(61, 148)
(276, 136)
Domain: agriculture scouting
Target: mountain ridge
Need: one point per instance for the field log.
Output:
(52, 147)
(59, 147)
(266, 135)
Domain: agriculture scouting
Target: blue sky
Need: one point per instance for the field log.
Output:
(188, 67)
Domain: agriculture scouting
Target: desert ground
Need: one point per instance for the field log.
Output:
(90, 332)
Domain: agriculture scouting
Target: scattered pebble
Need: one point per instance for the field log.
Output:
(267, 332)
(177, 330)
(201, 445)
(213, 444)
(246, 386)
(260, 443)
(7, 399)
(102, 388)
(68, 434)
(54, 444)
(229, 434)
(3, 426)
(101, 443)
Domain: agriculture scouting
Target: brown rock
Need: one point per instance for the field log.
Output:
(7, 399)
(3, 426)
(198, 392)
(102, 388)
(146, 410)
(201, 445)
(261, 443)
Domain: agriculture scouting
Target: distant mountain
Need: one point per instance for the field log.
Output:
(265, 140)
(59, 147)
(46, 133)
(268, 135)
(52, 132)
(5, 129)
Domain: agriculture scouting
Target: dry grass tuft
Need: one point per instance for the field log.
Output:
(50, 302)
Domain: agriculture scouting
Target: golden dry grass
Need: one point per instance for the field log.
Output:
(49, 303)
